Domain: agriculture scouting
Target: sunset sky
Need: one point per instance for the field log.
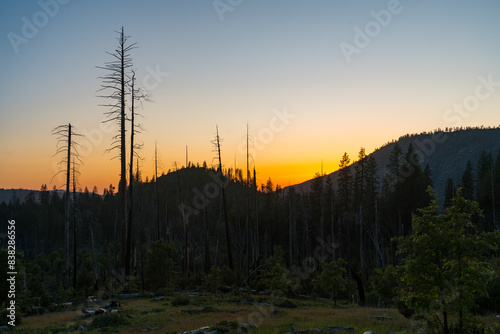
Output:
(313, 79)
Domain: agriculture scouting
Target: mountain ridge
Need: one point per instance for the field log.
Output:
(446, 152)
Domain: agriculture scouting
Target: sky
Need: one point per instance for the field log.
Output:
(311, 79)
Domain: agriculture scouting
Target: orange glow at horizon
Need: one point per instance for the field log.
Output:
(285, 174)
(289, 174)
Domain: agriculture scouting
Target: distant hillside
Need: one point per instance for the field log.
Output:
(7, 194)
(446, 153)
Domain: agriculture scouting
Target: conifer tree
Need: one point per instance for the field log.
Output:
(467, 184)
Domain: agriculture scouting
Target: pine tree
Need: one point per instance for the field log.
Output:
(359, 196)
(484, 188)
(392, 188)
(467, 184)
(413, 187)
(449, 192)
(345, 184)
(344, 197)
(393, 168)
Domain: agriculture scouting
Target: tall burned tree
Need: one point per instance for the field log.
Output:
(74, 183)
(157, 212)
(256, 218)
(135, 128)
(67, 147)
(226, 222)
(247, 225)
(115, 82)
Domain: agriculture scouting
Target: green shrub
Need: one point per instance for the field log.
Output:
(384, 282)
(491, 302)
(213, 280)
(330, 282)
(159, 269)
(275, 276)
(404, 309)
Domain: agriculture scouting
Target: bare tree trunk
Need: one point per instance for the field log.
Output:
(74, 227)
(332, 230)
(185, 260)
(228, 236)
(94, 257)
(493, 195)
(66, 226)
(361, 258)
(256, 220)
(207, 244)
(157, 213)
(140, 232)
(128, 246)
(445, 322)
(290, 234)
(306, 229)
(123, 165)
(116, 81)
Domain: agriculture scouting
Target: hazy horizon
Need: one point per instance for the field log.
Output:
(312, 80)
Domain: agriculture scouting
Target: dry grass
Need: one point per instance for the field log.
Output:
(63, 318)
(161, 315)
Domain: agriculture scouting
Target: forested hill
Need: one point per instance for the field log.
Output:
(446, 152)
(6, 195)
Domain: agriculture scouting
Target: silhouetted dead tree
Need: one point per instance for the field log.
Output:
(67, 147)
(185, 223)
(115, 82)
(157, 209)
(256, 221)
(247, 223)
(136, 96)
(226, 223)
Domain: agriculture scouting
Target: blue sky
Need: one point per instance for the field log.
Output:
(263, 58)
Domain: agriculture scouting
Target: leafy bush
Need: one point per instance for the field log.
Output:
(64, 295)
(491, 302)
(384, 282)
(213, 280)
(404, 309)
(330, 283)
(275, 275)
(159, 269)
